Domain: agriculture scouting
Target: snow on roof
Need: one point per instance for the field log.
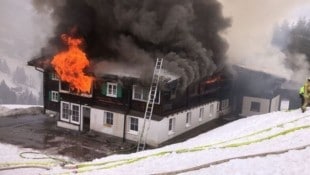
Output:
(269, 133)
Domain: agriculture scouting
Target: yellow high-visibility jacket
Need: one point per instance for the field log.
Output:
(302, 90)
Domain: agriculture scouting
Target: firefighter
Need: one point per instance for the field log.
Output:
(306, 95)
(301, 95)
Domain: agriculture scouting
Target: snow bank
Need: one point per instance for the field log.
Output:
(15, 110)
(281, 138)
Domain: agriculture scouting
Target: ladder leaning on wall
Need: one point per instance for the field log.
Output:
(149, 105)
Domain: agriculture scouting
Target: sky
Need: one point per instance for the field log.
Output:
(281, 137)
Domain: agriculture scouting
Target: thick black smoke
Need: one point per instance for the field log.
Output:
(184, 32)
(294, 41)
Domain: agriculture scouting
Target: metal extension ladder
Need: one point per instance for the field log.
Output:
(150, 105)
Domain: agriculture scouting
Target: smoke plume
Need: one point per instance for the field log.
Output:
(251, 33)
(186, 33)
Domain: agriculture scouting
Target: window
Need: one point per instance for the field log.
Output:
(255, 107)
(225, 104)
(171, 126)
(211, 110)
(64, 86)
(134, 123)
(201, 113)
(108, 118)
(112, 90)
(141, 94)
(65, 111)
(75, 117)
(54, 77)
(188, 119)
(54, 96)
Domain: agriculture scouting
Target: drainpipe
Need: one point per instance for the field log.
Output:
(127, 111)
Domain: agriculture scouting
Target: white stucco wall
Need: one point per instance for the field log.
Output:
(67, 125)
(275, 103)
(246, 106)
(97, 123)
(159, 130)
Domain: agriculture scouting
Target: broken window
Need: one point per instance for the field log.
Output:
(64, 86)
(108, 118)
(255, 107)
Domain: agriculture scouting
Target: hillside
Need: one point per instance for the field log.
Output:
(275, 143)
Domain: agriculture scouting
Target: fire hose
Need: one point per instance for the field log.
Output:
(207, 165)
(85, 167)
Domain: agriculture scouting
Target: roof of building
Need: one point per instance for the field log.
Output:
(256, 83)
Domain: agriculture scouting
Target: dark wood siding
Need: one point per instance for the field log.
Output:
(50, 85)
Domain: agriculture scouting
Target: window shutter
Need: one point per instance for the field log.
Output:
(104, 89)
(119, 91)
(49, 95)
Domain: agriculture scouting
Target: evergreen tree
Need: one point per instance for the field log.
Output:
(7, 96)
(19, 76)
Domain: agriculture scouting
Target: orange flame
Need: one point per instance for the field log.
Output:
(213, 80)
(70, 64)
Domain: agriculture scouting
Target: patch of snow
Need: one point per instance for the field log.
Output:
(253, 135)
(14, 110)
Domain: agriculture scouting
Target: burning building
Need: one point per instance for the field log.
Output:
(97, 76)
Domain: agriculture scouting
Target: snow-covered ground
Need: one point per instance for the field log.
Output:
(13, 110)
(275, 143)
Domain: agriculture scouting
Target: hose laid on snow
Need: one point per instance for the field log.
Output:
(86, 167)
(36, 164)
(207, 165)
(24, 166)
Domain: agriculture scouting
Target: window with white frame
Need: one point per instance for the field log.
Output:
(211, 109)
(65, 111)
(141, 94)
(54, 96)
(108, 116)
(188, 118)
(133, 125)
(255, 106)
(112, 89)
(225, 104)
(171, 126)
(54, 77)
(75, 117)
(201, 113)
(64, 86)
